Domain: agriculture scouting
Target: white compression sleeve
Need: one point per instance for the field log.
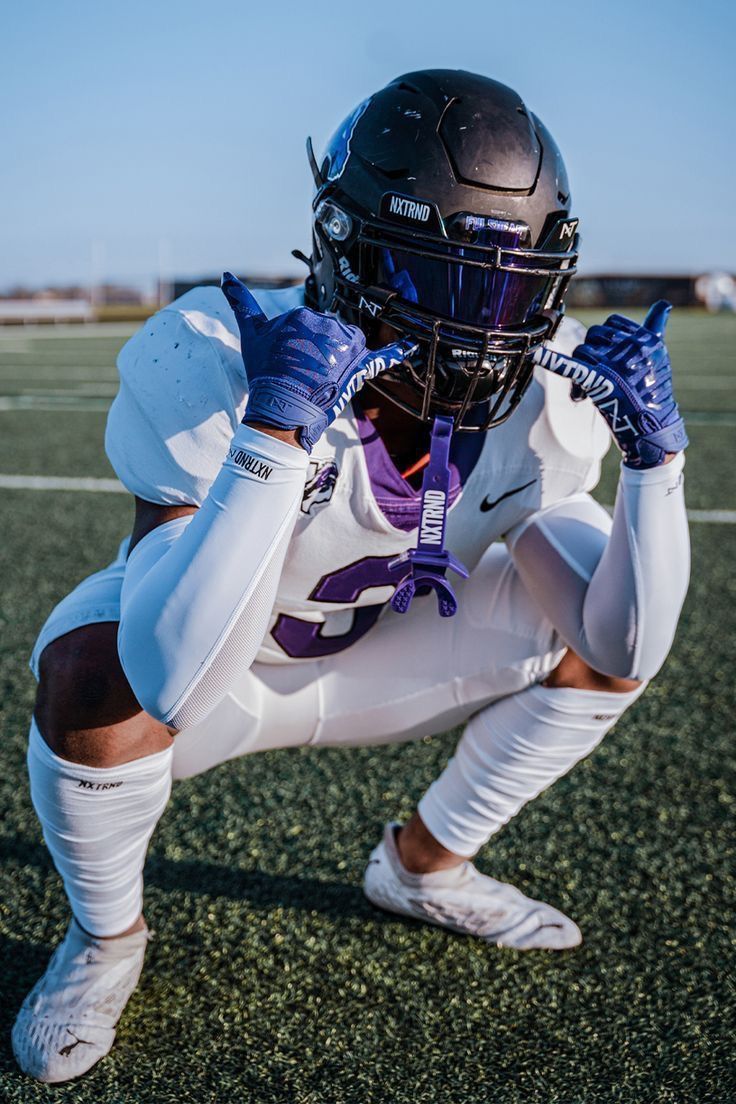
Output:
(510, 752)
(614, 593)
(198, 591)
(97, 822)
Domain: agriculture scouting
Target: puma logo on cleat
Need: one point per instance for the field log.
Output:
(66, 1050)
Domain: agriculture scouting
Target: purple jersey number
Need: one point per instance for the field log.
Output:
(304, 640)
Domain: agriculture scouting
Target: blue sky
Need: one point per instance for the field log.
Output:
(170, 135)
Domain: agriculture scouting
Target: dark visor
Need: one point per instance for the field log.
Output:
(488, 278)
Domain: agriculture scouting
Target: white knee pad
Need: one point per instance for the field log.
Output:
(97, 822)
(510, 752)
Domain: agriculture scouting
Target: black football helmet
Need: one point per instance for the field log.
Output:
(443, 209)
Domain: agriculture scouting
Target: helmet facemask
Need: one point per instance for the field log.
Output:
(473, 292)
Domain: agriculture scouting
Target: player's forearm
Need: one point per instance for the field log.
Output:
(635, 596)
(199, 590)
(613, 592)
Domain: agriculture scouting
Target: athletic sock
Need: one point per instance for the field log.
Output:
(97, 822)
(509, 753)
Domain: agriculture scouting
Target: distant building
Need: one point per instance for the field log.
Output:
(71, 304)
(618, 290)
(48, 309)
(118, 295)
(21, 293)
(181, 286)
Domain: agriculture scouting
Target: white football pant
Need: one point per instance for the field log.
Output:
(412, 675)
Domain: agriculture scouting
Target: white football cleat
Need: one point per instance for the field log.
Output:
(465, 901)
(67, 1021)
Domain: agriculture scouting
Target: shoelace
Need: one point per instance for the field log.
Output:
(428, 563)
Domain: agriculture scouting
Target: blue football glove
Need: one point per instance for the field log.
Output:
(625, 370)
(303, 367)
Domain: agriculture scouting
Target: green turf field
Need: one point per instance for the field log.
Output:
(271, 979)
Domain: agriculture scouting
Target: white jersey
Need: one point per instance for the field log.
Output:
(183, 391)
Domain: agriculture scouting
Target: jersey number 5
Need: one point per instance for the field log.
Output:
(304, 640)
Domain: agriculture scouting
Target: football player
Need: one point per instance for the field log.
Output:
(362, 516)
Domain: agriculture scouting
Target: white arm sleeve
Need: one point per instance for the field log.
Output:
(613, 591)
(198, 591)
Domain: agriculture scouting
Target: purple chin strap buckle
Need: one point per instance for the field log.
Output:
(424, 567)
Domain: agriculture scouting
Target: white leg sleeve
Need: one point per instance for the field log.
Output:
(198, 591)
(510, 752)
(615, 599)
(97, 822)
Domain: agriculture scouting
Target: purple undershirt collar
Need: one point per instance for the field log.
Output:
(397, 500)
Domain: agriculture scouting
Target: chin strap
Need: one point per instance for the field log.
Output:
(429, 561)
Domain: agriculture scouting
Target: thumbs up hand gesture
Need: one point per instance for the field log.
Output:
(303, 367)
(624, 369)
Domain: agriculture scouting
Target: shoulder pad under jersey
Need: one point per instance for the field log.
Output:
(182, 393)
(576, 427)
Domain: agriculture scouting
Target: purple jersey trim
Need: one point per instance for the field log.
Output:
(397, 500)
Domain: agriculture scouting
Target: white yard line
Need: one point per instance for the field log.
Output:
(77, 403)
(75, 399)
(32, 381)
(21, 335)
(96, 394)
(713, 517)
(23, 371)
(60, 483)
(113, 486)
(95, 389)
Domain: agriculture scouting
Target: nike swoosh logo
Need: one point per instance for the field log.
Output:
(486, 505)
